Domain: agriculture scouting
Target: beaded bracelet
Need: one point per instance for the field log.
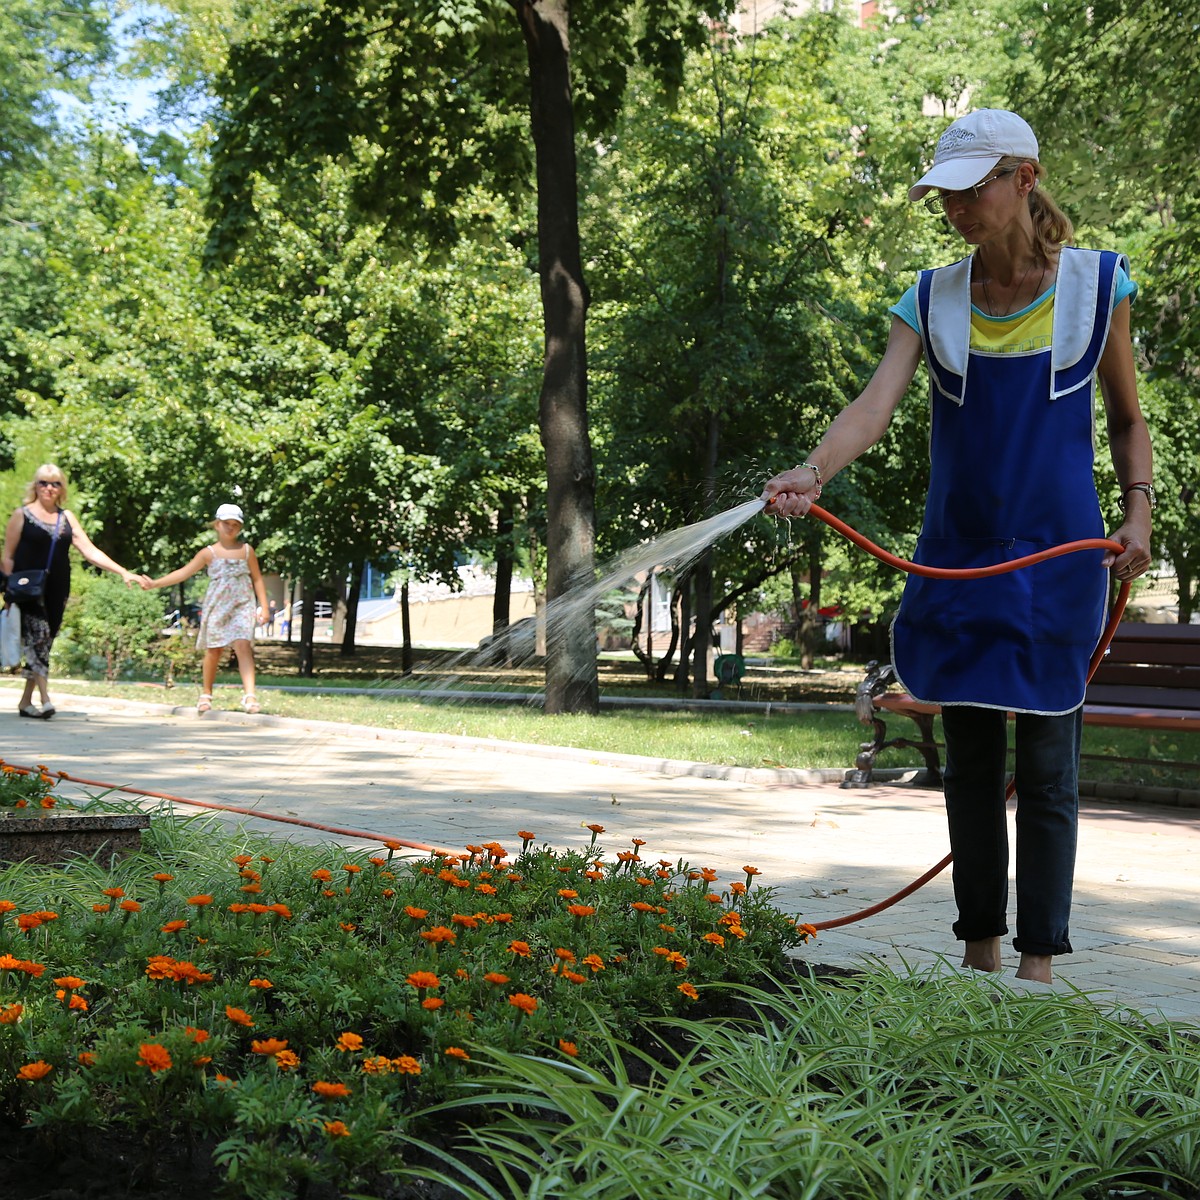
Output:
(816, 471)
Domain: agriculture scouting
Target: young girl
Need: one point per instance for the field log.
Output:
(229, 614)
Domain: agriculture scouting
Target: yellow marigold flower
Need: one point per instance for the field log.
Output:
(689, 991)
(287, 1060)
(330, 1091)
(154, 1056)
(524, 1002)
(34, 1071)
(406, 1065)
(568, 1048)
(349, 1041)
(268, 1046)
(417, 914)
(238, 1016)
(458, 1052)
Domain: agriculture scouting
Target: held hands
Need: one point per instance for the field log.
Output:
(791, 493)
(129, 579)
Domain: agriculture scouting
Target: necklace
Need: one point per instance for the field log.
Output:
(1036, 291)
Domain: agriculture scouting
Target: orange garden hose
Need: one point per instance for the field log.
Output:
(1015, 564)
(834, 523)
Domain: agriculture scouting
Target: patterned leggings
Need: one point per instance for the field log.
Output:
(36, 640)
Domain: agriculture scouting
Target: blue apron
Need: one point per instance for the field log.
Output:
(1012, 449)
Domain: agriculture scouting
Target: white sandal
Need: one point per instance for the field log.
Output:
(249, 703)
(204, 704)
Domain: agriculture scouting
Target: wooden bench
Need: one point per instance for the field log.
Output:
(1149, 679)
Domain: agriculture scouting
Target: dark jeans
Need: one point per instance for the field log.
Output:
(1047, 775)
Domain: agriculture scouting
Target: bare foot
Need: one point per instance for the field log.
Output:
(1036, 966)
(983, 955)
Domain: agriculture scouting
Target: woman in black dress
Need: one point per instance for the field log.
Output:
(38, 537)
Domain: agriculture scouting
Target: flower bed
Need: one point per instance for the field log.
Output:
(296, 1005)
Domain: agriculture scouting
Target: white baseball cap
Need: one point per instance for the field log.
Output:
(230, 512)
(972, 146)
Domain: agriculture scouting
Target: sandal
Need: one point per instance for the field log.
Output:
(204, 704)
(249, 703)
(48, 710)
(29, 711)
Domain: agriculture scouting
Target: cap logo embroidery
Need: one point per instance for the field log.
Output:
(953, 140)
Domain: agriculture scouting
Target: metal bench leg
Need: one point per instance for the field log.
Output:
(864, 761)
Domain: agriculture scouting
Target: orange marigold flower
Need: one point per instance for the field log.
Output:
(568, 893)
(380, 1064)
(349, 1041)
(85, 1058)
(113, 893)
(596, 828)
(11, 1014)
(457, 1052)
(347, 928)
(268, 1046)
(321, 875)
(34, 1071)
(7, 906)
(677, 960)
(406, 1065)
(581, 910)
(28, 922)
(521, 949)
(432, 1003)
(198, 1036)
(417, 914)
(423, 979)
(461, 973)
(712, 898)
(162, 877)
(240, 860)
(351, 868)
(154, 1056)
(594, 961)
(261, 983)
(642, 907)
(708, 874)
(752, 871)
(130, 906)
(388, 893)
(330, 1091)
(467, 922)
(568, 1048)
(638, 841)
(101, 908)
(251, 889)
(391, 846)
(574, 977)
(689, 991)
(496, 978)
(593, 874)
(666, 928)
(524, 1002)
(738, 889)
(525, 836)
(238, 1016)
(564, 955)
(714, 939)
(280, 910)
(337, 1129)
(439, 933)
(174, 926)
(485, 889)
(199, 901)
(70, 982)
(287, 1060)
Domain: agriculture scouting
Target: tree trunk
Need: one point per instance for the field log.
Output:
(572, 683)
(684, 589)
(308, 626)
(406, 649)
(502, 600)
(350, 617)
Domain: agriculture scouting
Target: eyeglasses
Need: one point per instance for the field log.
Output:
(936, 204)
(55, 483)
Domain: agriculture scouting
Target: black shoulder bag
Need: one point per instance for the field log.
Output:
(28, 587)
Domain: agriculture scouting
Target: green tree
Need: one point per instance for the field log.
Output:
(438, 90)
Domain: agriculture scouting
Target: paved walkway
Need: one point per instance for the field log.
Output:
(1136, 925)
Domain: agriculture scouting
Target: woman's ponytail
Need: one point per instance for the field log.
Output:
(1052, 228)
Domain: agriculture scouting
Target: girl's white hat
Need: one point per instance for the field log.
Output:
(230, 512)
(972, 146)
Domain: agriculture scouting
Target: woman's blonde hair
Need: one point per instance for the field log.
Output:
(1052, 228)
(47, 471)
